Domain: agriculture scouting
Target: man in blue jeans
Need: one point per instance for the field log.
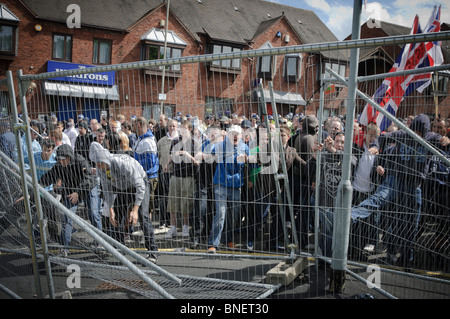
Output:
(230, 156)
(402, 187)
(127, 194)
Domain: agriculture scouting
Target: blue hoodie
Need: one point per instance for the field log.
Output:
(229, 172)
(146, 153)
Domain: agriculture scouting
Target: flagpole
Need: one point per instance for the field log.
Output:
(436, 104)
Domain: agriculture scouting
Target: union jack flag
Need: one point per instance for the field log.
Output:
(394, 89)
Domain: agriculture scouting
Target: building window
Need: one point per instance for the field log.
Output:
(153, 43)
(266, 64)
(102, 51)
(156, 52)
(6, 39)
(8, 33)
(336, 67)
(62, 47)
(218, 106)
(153, 111)
(226, 64)
(443, 82)
(292, 68)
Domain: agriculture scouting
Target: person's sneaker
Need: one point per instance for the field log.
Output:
(185, 231)
(63, 253)
(212, 250)
(172, 232)
(137, 233)
(369, 248)
(152, 258)
(250, 245)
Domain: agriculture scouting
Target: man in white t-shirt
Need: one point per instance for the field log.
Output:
(71, 132)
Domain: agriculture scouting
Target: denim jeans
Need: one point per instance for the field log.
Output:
(67, 224)
(94, 206)
(385, 193)
(223, 220)
(122, 205)
(402, 219)
(200, 211)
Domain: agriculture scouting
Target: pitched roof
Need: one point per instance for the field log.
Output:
(116, 15)
(391, 29)
(235, 21)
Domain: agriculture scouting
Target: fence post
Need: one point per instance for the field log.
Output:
(21, 163)
(341, 224)
(37, 198)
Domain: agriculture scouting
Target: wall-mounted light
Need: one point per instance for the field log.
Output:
(38, 27)
(162, 23)
(287, 38)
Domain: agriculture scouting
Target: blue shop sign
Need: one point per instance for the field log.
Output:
(102, 78)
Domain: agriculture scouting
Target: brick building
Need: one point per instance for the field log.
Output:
(36, 38)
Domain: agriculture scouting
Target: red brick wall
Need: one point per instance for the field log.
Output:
(187, 93)
(35, 49)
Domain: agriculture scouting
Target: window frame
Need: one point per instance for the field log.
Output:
(99, 41)
(13, 50)
(175, 69)
(298, 68)
(155, 110)
(270, 74)
(442, 87)
(332, 65)
(14, 24)
(228, 65)
(65, 35)
(214, 103)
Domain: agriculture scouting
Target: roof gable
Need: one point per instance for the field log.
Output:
(233, 21)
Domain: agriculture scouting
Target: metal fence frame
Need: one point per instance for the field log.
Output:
(339, 261)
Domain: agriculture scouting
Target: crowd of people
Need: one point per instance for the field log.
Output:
(214, 178)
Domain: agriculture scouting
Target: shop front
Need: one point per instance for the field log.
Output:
(88, 94)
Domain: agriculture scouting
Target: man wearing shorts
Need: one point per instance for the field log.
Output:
(182, 181)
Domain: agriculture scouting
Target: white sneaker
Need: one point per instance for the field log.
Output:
(172, 232)
(369, 248)
(185, 231)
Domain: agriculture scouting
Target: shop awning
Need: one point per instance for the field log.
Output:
(82, 91)
(284, 97)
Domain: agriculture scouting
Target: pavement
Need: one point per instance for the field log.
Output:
(312, 283)
(228, 274)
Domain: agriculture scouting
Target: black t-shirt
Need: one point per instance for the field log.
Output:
(182, 166)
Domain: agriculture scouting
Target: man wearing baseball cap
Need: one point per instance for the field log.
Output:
(230, 156)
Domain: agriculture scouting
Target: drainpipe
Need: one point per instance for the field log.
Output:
(165, 57)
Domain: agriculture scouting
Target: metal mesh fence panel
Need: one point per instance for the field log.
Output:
(241, 158)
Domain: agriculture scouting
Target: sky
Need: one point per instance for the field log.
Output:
(337, 15)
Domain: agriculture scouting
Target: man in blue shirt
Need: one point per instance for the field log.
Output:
(230, 156)
(146, 153)
(45, 159)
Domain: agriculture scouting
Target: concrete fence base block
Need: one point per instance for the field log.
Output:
(285, 273)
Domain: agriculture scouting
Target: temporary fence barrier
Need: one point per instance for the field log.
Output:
(259, 203)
